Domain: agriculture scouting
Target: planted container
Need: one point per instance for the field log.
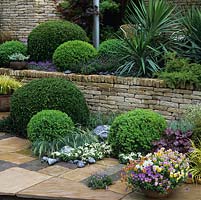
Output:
(7, 86)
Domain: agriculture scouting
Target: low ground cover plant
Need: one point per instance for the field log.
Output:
(97, 151)
(72, 139)
(176, 137)
(99, 181)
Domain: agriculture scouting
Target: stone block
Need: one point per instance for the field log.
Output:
(143, 97)
(169, 104)
(132, 100)
(116, 98)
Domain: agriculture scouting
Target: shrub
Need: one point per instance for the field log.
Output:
(72, 55)
(9, 48)
(108, 54)
(47, 94)
(179, 72)
(49, 125)
(135, 131)
(109, 47)
(45, 38)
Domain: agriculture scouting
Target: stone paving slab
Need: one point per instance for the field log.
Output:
(59, 188)
(13, 144)
(120, 187)
(34, 165)
(6, 165)
(16, 179)
(83, 173)
(54, 170)
(15, 158)
(108, 162)
(5, 135)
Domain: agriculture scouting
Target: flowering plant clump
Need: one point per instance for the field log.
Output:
(95, 150)
(99, 181)
(125, 158)
(160, 172)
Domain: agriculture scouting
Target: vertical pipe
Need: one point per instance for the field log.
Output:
(96, 24)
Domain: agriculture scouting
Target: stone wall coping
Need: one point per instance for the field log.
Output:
(110, 79)
(131, 81)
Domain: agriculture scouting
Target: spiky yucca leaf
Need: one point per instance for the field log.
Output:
(153, 28)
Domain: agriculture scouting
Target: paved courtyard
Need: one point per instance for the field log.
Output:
(24, 176)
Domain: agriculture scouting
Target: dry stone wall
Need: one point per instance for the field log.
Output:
(118, 94)
(19, 17)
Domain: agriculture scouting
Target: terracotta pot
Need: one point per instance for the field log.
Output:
(18, 65)
(4, 103)
(156, 195)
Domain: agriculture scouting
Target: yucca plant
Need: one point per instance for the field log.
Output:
(195, 162)
(153, 30)
(192, 23)
(8, 85)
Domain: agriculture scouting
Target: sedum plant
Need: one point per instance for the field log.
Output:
(151, 32)
(8, 85)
